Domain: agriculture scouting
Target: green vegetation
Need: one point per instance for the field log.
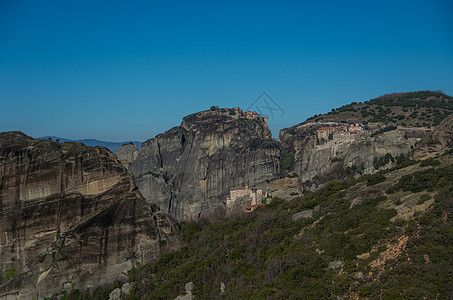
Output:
(382, 130)
(99, 293)
(427, 99)
(290, 131)
(383, 160)
(430, 180)
(257, 255)
(287, 161)
(248, 122)
(403, 164)
(9, 273)
(373, 179)
(183, 135)
(415, 109)
(265, 254)
(430, 162)
(423, 198)
(335, 159)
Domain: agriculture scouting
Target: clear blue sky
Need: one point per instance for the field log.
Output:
(128, 70)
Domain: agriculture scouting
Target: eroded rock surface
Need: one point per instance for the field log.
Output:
(438, 142)
(71, 213)
(315, 160)
(127, 153)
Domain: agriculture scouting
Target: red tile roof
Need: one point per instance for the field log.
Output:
(254, 205)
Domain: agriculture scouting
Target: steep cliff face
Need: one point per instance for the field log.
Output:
(343, 155)
(127, 153)
(188, 170)
(438, 142)
(71, 213)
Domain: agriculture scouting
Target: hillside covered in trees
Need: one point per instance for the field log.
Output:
(383, 236)
(415, 109)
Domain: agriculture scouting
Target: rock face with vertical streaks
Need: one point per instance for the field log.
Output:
(438, 142)
(319, 162)
(189, 170)
(127, 153)
(71, 213)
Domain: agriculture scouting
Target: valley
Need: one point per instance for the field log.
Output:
(352, 204)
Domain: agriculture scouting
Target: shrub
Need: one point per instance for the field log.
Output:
(335, 159)
(382, 130)
(375, 179)
(423, 198)
(382, 161)
(290, 131)
(287, 161)
(10, 273)
(430, 162)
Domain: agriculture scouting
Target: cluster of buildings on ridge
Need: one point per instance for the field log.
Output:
(239, 113)
(348, 129)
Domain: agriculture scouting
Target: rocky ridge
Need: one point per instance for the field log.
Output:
(70, 213)
(127, 153)
(439, 141)
(393, 128)
(318, 161)
(189, 170)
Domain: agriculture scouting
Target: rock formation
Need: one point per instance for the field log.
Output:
(71, 213)
(188, 296)
(286, 188)
(438, 142)
(318, 159)
(189, 170)
(127, 153)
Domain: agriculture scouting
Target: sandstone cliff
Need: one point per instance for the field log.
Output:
(127, 153)
(71, 213)
(189, 170)
(438, 142)
(342, 156)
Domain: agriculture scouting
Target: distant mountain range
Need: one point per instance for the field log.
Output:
(112, 146)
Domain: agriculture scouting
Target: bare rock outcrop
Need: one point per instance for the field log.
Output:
(189, 170)
(71, 213)
(343, 155)
(127, 153)
(286, 188)
(438, 142)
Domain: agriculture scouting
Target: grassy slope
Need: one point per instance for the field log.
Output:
(415, 109)
(361, 242)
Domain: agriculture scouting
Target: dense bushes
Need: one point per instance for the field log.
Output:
(373, 179)
(382, 130)
(429, 179)
(430, 162)
(287, 161)
(265, 254)
(382, 161)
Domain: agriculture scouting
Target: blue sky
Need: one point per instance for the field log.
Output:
(117, 70)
